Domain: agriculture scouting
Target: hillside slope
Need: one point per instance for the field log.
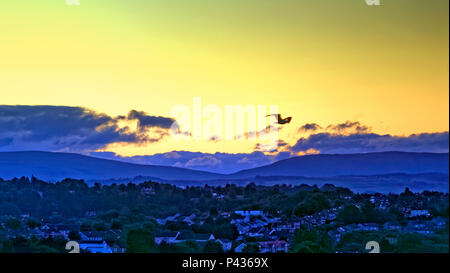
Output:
(352, 164)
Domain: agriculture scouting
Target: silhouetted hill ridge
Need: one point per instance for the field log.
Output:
(325, 165)
(56, 166)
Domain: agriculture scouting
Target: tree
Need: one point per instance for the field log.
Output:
(251, 248)
(212, 247)
(6, 246)
(7, 208)
(317, 241)
(312, 204)
(306, 247)
(349, 215)
(33, 223)
(74, 236)
(12, 223)
(140, 241)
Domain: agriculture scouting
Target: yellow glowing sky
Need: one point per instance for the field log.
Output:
(322, 61)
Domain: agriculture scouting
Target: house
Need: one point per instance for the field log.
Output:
(90, 213)
(226, 244)
(423, 227)
(50, 230)
(95, 247)
(285, 225)
(119, 248)
(256, 232)
(243, 228)
(92, 235)
(274, 246)
(36, 232)
(204, 237)
(169, 218)
(280, 235)
(258, 223)
(438, 223)
(418, 213)
(368, 227)
(147, 191)
(240, 248)
(189, 220)
(168, 237)
(108, 235)
(198, 237)
(249, 212)
(392, 226)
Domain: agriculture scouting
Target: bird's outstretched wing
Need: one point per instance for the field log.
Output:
(281, 120)
(276, 115)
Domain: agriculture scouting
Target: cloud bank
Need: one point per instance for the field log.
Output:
(328, 143)
(217, 162)
(325, 143)
(80, 130)
(75, 129)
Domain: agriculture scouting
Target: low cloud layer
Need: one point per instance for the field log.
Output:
(309, 127)
(349, 127)
(145, 121)
(217, 162)
(80, 130)
(328, 143)
(76, 129)
(324, 143)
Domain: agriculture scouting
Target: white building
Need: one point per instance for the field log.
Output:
(96, 247)
(168, 237)
(418, 212)
(240, 248)
(226, 244)
(249, 212)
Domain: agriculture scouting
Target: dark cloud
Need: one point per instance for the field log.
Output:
(310, 127)
(76, 129)
(276, 147)
(364, 143)
(146, 121)
(339, 140)
(63, 128)
(349, 127)
(355, 137)
(325, 143)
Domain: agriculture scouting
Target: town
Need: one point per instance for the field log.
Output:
(38, 216)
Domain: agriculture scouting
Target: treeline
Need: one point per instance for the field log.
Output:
(55, 202)
(73, 198)
(132, 209)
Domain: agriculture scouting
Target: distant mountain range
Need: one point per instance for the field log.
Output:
(305, 169)
(324, 165)
(57, 166)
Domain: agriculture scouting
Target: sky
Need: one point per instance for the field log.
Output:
(106, 75)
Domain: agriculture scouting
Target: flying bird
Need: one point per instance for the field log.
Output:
(281, 120)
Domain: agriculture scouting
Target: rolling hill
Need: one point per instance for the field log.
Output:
(324, 165)
(57, 166)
